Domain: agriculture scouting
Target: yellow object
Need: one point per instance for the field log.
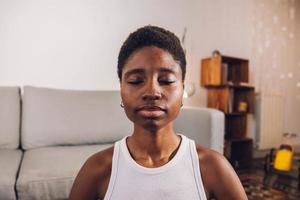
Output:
(283, 160)
(242, 106)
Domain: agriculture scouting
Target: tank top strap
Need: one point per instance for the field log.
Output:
(196, 167)
(114, 170)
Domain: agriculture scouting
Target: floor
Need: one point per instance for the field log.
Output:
(273, 185)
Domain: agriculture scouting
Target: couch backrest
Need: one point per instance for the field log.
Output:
(204, 125)
(68, 117)
(9, 117)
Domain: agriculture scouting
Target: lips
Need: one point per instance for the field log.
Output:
(150, 111)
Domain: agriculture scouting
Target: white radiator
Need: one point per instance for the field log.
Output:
(269, 120)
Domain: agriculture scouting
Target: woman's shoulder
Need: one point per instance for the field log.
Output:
(100, 162)
(102, 156)
(218, 176)
(209, 156)
(93, 177)
(212, 163)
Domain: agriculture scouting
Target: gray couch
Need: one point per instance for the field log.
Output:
(47, 134)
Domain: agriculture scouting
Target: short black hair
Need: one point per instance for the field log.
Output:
(152, 36)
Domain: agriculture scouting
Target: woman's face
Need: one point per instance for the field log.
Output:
(151, 88)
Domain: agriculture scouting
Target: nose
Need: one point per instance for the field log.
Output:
(152, 91)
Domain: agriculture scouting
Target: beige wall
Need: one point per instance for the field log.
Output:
(221, 25)
(74, 44)
(275, 55)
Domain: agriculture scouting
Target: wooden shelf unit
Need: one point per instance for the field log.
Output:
(239, 152)
(235, 126)
(219, 70)
(227, 98)
(227, 81)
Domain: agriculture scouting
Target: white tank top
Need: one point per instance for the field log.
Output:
(179, 179)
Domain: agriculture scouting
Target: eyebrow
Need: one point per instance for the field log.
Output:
(134, 71)
(142, 71)
(167, 69)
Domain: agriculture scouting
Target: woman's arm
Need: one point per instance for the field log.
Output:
(85, 184)
(219, 178)
(93, 178)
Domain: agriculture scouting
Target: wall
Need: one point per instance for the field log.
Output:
(276, 55)
(74, 44)
(222, 25)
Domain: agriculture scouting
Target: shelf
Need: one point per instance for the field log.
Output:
(228, 99)
(244, 86)
(245, 139)
(239, 152)
(235, 114)
(227, 82)
(240, 85)
(219, 70)
(235, 126)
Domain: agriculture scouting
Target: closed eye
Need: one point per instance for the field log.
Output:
(135, 82)
(166, 82)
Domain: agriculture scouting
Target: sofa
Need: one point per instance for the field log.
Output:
(47, 134)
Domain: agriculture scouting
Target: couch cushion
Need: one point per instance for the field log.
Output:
(59, 117)
(9, 117)
(49, 172)
(9, 164)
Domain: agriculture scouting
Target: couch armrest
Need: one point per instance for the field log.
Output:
(204, 125)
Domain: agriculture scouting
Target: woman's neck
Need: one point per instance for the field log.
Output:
(153, 149)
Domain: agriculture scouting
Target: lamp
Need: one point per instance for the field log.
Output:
(189, 89)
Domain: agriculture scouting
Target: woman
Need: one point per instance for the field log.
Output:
(154, 162)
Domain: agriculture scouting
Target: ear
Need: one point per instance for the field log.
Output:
(183, 91)
(120, 83)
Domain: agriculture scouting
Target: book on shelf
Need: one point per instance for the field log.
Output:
(230, 101)
(224, 73)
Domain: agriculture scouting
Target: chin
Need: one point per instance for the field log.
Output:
(153, 125)
(151, 128)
